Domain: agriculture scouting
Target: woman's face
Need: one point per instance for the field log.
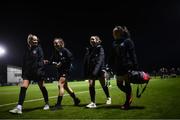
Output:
(33, 41)
(93, 41)
(116, 34)
(58, 44)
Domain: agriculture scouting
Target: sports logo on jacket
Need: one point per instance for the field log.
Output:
(34, 51)
(60, 54)
(122, 44)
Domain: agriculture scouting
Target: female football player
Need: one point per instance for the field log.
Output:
(32, 70)
(62, 59)
(95, 69)
(122, 60)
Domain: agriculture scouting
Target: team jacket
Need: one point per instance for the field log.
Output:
(123, 54)
(64, 56)
(32, 60)
(93, 60)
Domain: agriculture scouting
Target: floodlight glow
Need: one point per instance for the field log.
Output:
(2, 51)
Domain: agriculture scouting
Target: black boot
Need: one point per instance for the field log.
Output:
(76, 101)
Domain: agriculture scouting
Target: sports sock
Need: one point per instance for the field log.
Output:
(92, 93)
(106, 91)
(73, 95)
(22, 95)
(45, 94)
(59, 100)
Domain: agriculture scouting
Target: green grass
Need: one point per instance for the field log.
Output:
(160, 100)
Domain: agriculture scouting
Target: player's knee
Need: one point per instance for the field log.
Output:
(25, 85)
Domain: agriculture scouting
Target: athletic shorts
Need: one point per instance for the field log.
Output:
(63, 73)
(122, 71)
(33, 75)
(101, 73)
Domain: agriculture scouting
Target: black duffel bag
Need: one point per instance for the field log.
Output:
(140, 78)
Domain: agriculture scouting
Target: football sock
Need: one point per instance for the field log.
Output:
(92, 93)
(105, 88)
(45, 94)
(59, 100)
(128, 93)
(22, 95)
(73, 95)
(128, 89)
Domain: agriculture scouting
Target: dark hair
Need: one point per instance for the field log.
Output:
(125, 32)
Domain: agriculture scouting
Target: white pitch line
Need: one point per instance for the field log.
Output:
(27, 101)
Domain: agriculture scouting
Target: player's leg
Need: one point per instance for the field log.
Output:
(71, 93)
(92, 94)
(123, 84)
(128, 93)
(61, 83)
(44, 93)
(102, 80)
(22, 94)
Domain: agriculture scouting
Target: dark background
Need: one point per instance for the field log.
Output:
(154, 27)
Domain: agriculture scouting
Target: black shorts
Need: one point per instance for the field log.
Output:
(32, 78)
(33, 75)
(63, 73)
(122, 70)
(92, 77)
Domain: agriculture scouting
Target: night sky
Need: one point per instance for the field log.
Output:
(154, 27)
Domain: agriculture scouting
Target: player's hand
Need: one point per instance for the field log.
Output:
(45, 61)
(58, 65)
(54, 63)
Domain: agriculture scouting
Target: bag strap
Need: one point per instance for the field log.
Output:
(138, 92)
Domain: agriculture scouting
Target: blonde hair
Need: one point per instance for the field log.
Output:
(32, 37)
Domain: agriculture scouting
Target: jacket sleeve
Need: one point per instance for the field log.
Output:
(111, 57)
(132, 54)
(23, 62)
(69, 58)
(52, 58)
(40, 57)
(85, 62)
(85, 59)
(100, 61)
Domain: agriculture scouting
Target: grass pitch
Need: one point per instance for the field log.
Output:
(159, 101)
